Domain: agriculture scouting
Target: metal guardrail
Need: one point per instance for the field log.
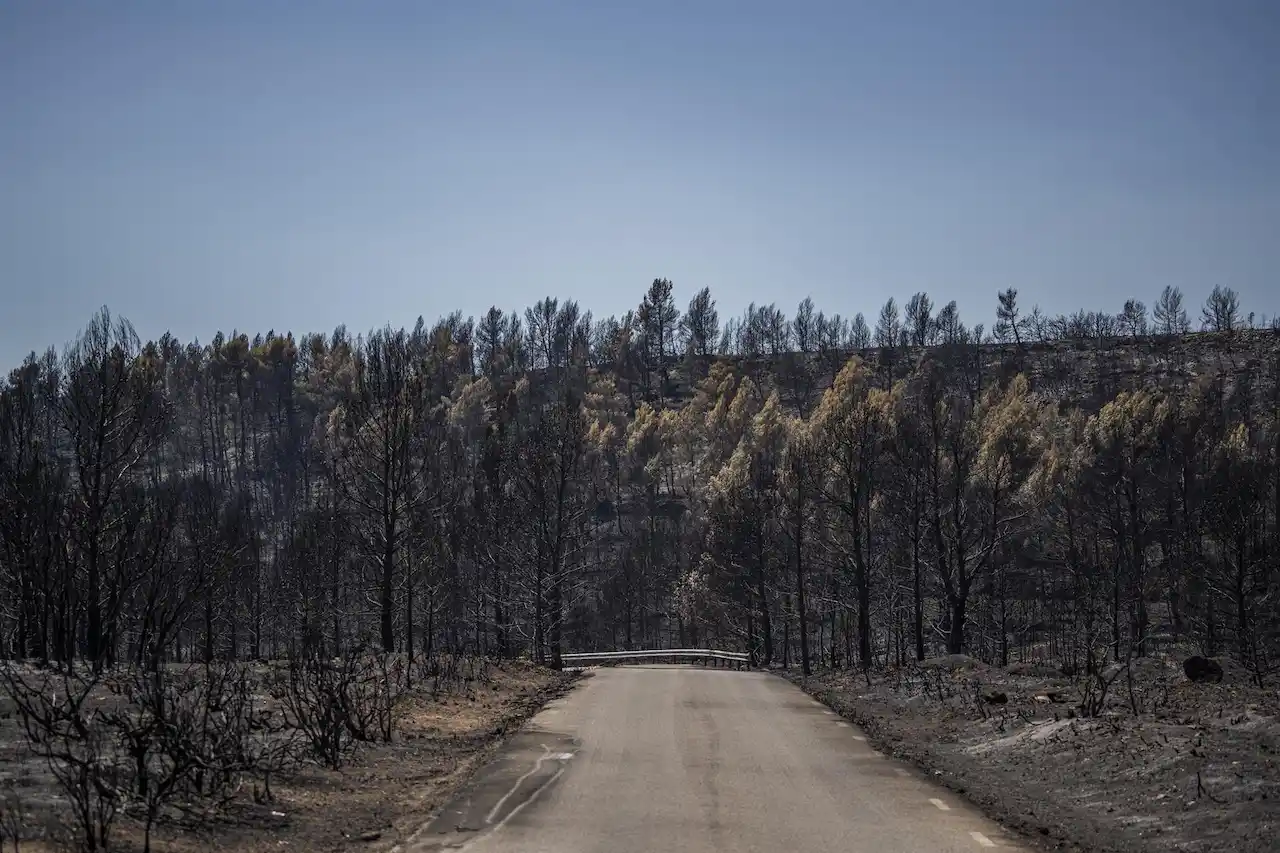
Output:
(713, 656)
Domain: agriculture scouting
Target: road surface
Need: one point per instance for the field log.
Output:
(690, 760)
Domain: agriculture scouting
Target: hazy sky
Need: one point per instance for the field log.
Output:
(296, 165)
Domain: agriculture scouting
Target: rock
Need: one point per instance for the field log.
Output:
(1113, 672)
(1040, 670)
(1055, 696)
(995, 697)
(952, 662)
(1201, 669)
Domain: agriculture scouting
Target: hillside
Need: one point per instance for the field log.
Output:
(1085, 372)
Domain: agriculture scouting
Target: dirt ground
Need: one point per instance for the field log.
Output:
(1198, 769)
(382, 795)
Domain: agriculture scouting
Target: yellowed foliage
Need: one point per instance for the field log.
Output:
(643, 430)
(743, 406)
(846, 392)
(769, 426)
(1127, 425)
(1007, 424)
(733, 476)
(1235, 448)
(717, 417)
(468, 411)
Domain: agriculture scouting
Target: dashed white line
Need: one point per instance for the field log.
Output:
(940, 804)
(902, 771)
(982, 839)
(858, 737)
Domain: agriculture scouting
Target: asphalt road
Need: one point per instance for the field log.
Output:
(699, 761)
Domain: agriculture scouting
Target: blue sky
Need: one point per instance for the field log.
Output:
(271, 164)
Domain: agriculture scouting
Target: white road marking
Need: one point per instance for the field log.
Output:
(519, 808)
(940, 804)
(858, 737)
(982, 839)
(546, 753)
(902, 771)
(495, 827)
(842, 724)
